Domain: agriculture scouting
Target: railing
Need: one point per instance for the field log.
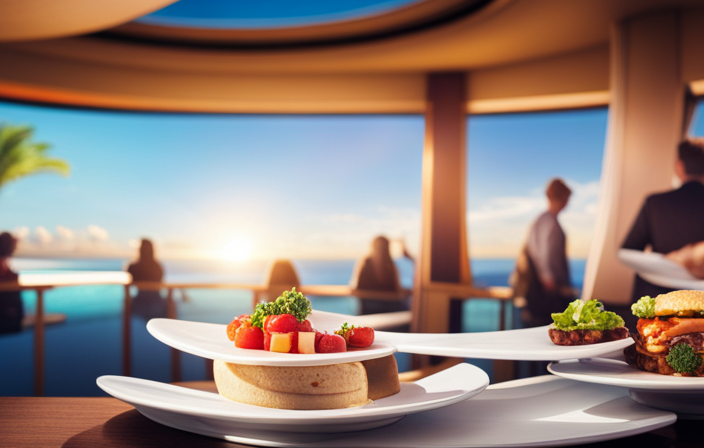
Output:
(43, 282)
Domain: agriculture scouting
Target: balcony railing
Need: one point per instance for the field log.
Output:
(39, 283)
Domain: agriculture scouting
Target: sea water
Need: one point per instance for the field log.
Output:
(88, 344)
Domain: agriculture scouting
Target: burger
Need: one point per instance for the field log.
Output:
(670, 334)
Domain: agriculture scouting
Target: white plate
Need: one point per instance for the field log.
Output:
(542, 411)
(210, 341)
(678, 394)
(656, 269)
(191, 409)
(531, 344)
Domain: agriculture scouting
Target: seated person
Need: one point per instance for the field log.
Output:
(669, 221)
(377, 272)
(11, 308)
(281, 277)
(147, 303)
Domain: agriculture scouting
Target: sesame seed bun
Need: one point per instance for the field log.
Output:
(679, 302)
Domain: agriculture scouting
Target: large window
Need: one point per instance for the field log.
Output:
(289, 186)
(511, 158)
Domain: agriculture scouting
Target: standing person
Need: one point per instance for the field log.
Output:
(11, 308)
(147, 303)
(670, 221)
(542, 273)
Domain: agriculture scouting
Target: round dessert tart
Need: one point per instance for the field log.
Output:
(308, 388)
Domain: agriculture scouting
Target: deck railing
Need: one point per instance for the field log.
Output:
(40, 283)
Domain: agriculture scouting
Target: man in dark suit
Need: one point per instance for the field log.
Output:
(669, 221)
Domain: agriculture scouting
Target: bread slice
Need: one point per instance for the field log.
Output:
(320, 387)
(584, 337)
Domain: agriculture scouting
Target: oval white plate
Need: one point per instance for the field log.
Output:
(617, 372)
(210, 341)
(678, 394)
(183, 408)
(542, 411)
(530, 344)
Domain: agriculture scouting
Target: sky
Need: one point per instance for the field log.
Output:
(266, 13)
(319, 187)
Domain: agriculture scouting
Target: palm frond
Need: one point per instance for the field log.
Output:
(20, 156)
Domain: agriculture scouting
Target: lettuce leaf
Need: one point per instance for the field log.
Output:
(644, 308)
(589, 315)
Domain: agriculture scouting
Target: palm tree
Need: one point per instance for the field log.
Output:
(20, 156)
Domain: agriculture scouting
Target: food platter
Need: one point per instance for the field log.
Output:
(531, 344)
(210, 341)
(208, 413)
(678, 394)
(540, 411)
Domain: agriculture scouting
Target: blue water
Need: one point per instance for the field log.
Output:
(88, 344)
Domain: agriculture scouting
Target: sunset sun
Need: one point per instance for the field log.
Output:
(239, 249)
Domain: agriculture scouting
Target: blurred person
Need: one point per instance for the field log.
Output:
(282, 276)
(11, 308)
(377, 272)
(541, 279)
(670, 221)
(148, 303)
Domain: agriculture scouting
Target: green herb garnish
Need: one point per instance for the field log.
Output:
(589, 315)
(345, 328)
(684, 359)
(644, 308)
(289, 302)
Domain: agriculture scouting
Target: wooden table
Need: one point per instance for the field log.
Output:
(108, 422)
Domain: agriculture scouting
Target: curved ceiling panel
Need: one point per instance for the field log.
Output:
(46, 19)
(351, 26)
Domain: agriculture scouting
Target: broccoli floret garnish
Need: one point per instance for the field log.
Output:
(684, 359)
(289, 302)
(644, 308)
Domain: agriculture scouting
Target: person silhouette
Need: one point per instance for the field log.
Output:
(11, 307)
(377, 272)
(542, 274)
(148, 303)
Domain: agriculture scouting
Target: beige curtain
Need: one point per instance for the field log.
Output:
(46, 19)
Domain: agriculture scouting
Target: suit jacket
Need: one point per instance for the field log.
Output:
(666, 222)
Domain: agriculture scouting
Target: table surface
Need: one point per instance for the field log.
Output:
(108, 422)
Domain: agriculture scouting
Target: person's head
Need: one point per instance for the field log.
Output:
(8, 244)
(282, 272)
(690, 160)
(146, 250)
(558, 194)
(380, 247)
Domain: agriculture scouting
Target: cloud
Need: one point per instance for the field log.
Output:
(64, 233)
(21, 232)
(42, 235)
(344, 235)
(97, 233)
(499, 227)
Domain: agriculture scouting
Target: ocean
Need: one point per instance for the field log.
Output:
(88, 344)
